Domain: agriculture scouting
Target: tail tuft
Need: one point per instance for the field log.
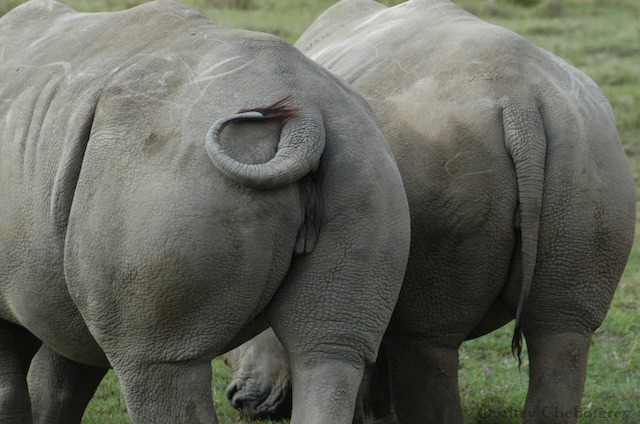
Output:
(276, 110)
(516, 342)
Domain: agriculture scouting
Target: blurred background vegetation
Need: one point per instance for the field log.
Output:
(601, 37)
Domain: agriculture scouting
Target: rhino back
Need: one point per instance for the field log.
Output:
(445, 86)
(54, 70)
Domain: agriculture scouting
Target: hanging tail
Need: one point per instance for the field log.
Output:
(526, 142)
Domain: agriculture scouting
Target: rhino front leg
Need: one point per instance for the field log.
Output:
(558, 364)
(60, 388)
(17, 347)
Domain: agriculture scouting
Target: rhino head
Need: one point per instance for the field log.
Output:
(260, 386)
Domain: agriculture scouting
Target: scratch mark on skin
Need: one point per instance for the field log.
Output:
(396, 62)
(62, 37)
(65, 65)
(156, 99)
(202, 83)
(223, 62)
(14, 104)
(192, 76)
(230, 71)
(182, 18)
(455, 173)
(210, 78)
(402, 68)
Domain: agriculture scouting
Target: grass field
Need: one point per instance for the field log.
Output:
(601, 37)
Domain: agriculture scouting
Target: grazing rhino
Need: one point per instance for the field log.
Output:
(147, 226)
(522, 203)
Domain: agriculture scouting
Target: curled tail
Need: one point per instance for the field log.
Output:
(526, 142)
(299, 150)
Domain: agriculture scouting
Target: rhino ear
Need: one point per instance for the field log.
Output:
(311, 201)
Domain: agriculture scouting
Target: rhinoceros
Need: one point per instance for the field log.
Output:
(522, 203)
(169, 188)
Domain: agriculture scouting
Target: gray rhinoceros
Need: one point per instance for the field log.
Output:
(128, 241)
(522, 203)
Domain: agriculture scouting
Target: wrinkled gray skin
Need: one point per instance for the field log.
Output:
(518, 188)
(124, 243)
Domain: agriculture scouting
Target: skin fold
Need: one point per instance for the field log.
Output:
(522, 203)
(171, 187)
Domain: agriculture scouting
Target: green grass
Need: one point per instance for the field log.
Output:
(601, 37)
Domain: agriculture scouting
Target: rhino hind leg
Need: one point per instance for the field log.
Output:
(424, 380)
(558, 364)
(339, 381)
(17, 347)
(374, 405)
(60, 388)
(167, 392)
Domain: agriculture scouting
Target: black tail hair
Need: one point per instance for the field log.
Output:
(276, 110)
(516, 341)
